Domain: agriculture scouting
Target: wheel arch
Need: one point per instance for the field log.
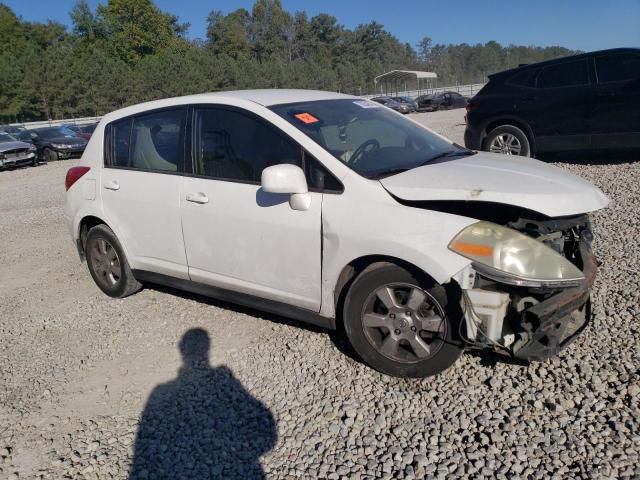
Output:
(355, 267)
(509, 120)
(87, 223)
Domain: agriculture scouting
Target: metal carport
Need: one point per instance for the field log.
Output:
(396, 80)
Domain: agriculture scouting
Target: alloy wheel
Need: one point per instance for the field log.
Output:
(404, 323)
(105, 262)
(507, 144)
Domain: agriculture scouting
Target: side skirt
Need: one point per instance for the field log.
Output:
(243, 299)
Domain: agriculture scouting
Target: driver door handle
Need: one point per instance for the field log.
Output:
(199, 197)
(112, 185)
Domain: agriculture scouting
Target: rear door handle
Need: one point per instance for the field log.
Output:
(112, 185)
(199, 197)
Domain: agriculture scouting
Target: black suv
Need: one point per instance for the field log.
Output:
(583, 102)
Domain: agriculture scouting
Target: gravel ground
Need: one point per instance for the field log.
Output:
(168, 385)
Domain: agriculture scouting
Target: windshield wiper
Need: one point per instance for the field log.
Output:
(387, 173)
(450, 153)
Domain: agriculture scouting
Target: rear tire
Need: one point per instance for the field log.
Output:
(108, 265)
(508, 140)
(401, 323)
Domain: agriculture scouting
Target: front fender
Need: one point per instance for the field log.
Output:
(416, 236)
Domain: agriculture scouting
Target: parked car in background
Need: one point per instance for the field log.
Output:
(55, 143)
(14, 153)
(71, 126)
(11, 129)
(336, 211)
(87, 130)
(392, 104)
(410, 102)
(441, 101)
(583, 102)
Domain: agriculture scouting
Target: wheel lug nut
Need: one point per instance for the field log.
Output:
(408, 313)
(392, 316)
(397, 331)
(413, 329)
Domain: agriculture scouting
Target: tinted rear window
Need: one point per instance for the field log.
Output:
(564, 75)
(526, 78)
(618, 68)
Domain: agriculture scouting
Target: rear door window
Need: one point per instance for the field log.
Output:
(568, 74)
(618, 67)
(152, 141)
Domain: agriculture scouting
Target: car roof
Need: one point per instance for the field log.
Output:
(264, 97)
(563, 59)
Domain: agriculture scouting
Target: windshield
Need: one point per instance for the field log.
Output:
(368, 137)
(6, 138)
(56, 132)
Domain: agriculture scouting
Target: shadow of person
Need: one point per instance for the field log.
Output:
(203, 424)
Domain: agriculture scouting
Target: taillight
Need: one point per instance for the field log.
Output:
(471, 106)
(74, 174)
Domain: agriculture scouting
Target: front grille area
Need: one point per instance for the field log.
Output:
(16, 152)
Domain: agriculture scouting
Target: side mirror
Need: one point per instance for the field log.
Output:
(286, 178)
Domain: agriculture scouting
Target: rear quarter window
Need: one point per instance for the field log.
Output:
(525, 78)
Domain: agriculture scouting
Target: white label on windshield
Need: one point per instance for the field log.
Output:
(366, 104)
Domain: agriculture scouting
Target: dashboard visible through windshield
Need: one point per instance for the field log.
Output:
(368, 137)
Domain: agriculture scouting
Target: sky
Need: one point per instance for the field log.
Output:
(577, 24)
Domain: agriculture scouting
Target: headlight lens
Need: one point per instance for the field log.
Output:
(59, 145)
(512, 257)
(32, 148)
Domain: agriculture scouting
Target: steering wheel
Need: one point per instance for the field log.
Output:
(368, 146)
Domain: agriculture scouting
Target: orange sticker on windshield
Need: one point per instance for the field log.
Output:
(306, 118)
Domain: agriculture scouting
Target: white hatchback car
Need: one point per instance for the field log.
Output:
(339, 212)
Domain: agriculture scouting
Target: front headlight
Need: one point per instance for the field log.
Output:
(32, 148)
(511, 257)
(59, 145)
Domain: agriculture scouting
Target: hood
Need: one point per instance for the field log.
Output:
(489, 177)
(5, 147)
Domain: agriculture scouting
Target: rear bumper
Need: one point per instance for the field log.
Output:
(554, 323)
(472, 138)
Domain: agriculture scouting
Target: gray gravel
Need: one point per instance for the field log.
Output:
(89, 383)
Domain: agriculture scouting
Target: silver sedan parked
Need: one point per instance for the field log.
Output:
(14, 153)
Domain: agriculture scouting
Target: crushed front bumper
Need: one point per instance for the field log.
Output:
(65, 154)
(554, 323)
(17, 161)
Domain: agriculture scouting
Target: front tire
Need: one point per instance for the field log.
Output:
(508, 140)
(49, 155)
(401, 323)
(108, 265)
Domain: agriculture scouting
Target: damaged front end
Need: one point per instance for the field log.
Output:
(531, 319)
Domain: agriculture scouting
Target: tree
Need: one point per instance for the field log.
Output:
(229, 35)
(85, 24)
(138, 28)
(129, 51)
